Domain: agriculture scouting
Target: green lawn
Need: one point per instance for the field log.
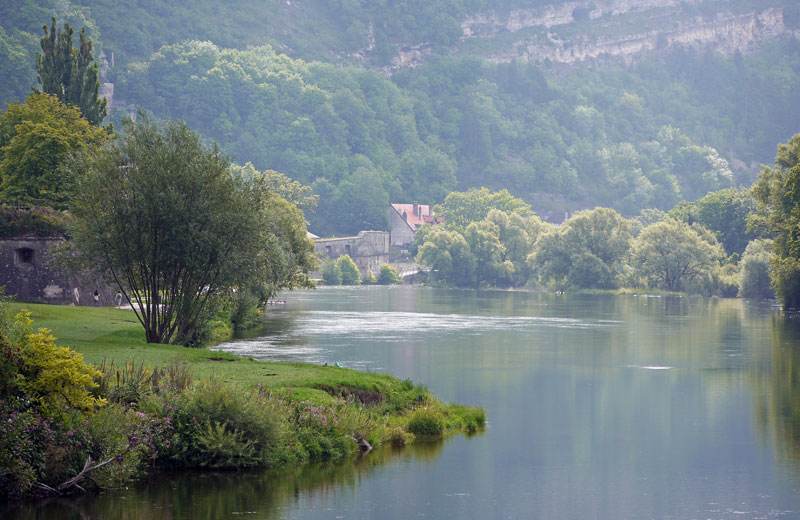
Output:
(116, 335)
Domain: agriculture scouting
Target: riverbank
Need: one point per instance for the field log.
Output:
(173, 407)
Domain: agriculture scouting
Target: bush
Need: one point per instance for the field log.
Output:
(221, 426)
(388, 275)
(331, 274)
(245, 311)
(426, 422)
(368, 279)
(112, 429)
(37, 448)
(397, 436)
(56, 376)
(754, 281)
(32, 222)
(350, 274)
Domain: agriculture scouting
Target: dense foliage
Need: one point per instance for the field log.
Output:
(597, 249)
(591, 137)
(38, 139)
(665, 129)
(777, 195)
(166, 218)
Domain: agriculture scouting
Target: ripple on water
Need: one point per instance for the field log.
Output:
(298, 343)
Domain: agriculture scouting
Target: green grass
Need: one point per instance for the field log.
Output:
(115, 335)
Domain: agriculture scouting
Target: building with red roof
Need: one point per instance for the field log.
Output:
(405, 219)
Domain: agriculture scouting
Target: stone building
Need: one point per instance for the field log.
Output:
(29, 273)
(369, 249)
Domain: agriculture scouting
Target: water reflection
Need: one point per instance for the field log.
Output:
(212, 495)
(778, 392)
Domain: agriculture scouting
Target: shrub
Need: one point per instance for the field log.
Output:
(388, 275)
(57, 376)
(221, 447)
(325, 432)
(112, 429)
(212, 417)
(368, 279)
(331, 274)
(397, 436)
(245, 311)
(350, 274)
(32, 222)
(125, 385)
(426, 422)
(754, 281)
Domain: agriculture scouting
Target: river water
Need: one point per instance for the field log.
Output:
(604, 407)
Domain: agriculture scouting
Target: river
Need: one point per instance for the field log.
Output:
(598, 406)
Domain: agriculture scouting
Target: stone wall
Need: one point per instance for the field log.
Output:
(29, 273)
(369, 250)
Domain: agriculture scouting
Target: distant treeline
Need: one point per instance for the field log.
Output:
(648, 136)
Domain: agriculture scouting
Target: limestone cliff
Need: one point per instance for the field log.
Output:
(582, 30)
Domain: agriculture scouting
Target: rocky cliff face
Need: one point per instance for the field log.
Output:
(584, 30)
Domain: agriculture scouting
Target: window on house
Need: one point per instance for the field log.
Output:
(347, 250)
(328, 251)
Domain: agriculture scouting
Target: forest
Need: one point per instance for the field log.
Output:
(664, 129)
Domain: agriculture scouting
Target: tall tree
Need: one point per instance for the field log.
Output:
(777, 195)
(70, 73)
(164, 216)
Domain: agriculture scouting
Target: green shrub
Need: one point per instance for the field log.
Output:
(426, 422)
(32, 222)
(754, 281)
(221, 447)
(111, 429)
(388, 275)
(397, 436)
(331, 274)
(368, 279)
(249, 417)
(350, 274)
(245, 312)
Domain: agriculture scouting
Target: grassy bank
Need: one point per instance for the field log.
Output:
(168, 406)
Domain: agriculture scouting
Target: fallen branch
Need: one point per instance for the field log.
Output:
(64, 487)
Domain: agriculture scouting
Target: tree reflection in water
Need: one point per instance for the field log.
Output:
(778, 391)
(201, 496)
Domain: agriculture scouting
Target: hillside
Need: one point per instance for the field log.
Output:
(624, 103)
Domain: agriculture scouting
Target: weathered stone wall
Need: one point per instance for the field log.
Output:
(29, 273)
(369, 250)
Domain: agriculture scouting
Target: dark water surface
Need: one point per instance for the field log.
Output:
(599, 407)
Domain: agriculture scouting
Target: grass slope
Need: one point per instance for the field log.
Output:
(115, 335)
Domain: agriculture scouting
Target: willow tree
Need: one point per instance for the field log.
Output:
(167, 219)
(70, 73)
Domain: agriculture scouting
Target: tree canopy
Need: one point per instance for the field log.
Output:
(38, 138)
(164, 216)
(671, 254)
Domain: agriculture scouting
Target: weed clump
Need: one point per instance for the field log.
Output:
(426, 422)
